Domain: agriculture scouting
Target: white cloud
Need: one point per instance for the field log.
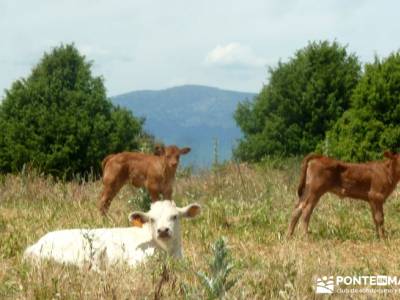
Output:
(234, 54)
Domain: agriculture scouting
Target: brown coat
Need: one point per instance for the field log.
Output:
(155, 172)
(372, 182)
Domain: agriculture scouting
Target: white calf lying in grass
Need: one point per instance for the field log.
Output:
(159, 228)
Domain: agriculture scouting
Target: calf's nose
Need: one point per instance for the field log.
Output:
(163, 232)
(163, 229)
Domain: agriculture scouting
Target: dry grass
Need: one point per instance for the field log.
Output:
(249, 206)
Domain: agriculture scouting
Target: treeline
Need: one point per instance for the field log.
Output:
(59, 120)
(323, 100)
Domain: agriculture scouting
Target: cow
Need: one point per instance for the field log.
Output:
(158, 229)
(371, 181)
(155, 172)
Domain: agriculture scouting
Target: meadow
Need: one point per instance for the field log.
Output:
(248, 205)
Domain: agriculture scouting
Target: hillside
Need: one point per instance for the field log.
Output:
(189, 115)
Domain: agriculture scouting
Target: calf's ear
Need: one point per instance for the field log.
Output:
(184, 150)
(190, 211)
(137, 218)
(389, 154)
(159, 150)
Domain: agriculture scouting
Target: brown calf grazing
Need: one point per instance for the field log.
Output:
(372, 182)
(154, 172)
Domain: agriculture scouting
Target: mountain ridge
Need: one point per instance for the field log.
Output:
(182, 86)
(189, 115)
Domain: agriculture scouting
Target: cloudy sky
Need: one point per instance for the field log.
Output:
(145, 44)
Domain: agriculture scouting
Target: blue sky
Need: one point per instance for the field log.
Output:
(158, 44)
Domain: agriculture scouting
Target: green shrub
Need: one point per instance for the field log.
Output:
(59, 119)
(303, 98)
(372, 124)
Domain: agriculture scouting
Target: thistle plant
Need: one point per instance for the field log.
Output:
(217, 282)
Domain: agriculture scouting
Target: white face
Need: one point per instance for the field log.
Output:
(164, 218)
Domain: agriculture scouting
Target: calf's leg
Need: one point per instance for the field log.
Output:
(154, 190)
(306, 214)
(304, 209)
(310, 203)
(110, 188)
(377, 215)
(154, 195)
(295, 217)
(167, 193)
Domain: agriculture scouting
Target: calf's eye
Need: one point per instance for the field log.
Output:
(174, 217)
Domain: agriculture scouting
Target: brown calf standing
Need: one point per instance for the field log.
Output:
(372, 182)
(154, 172)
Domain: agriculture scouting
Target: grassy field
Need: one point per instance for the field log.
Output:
(249, 206)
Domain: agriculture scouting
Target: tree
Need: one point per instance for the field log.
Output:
(303, 99)
(59, 119)
(371, 125)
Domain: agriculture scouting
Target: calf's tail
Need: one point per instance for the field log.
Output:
(303, 174)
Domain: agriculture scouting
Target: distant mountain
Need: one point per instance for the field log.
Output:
(189, 115)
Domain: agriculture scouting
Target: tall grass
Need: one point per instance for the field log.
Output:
(249, 205)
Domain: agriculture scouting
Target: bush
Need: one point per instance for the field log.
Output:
(59, 119)
(372, 124)
(303, 99)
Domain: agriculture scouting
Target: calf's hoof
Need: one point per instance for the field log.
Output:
(103, 210)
